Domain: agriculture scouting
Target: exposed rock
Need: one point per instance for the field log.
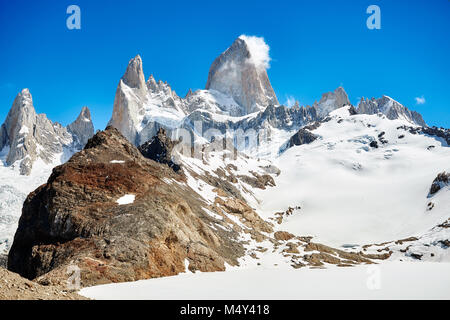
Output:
(159, 149)
(279, 216)
(373, 144)
(303, 136)
(331, 101)
(334, 256)
(134, 75)
(389, 107)
(248, 215)
(401, 241)
(445, 243)
(236, 74)
(291, 248)
(416, 256)
(445, 224)
(352, 111)
(258, 181)
(134, 102)
(439, 182)
(440, 133)
(82, 128)
(283, 236)
(437, 132)
(30, 136)
(75, 219)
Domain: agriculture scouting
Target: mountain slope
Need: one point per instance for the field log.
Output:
(365, 179)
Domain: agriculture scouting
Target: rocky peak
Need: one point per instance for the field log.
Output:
(151, 84)
(21, 114)
(442, 180)
(128, 106)
(159, 149)
(239, 73)
(331, 101)
(31, 136)
(189, 94)
(391, 108)
(134, 75)
(138, 103)
(82, 128)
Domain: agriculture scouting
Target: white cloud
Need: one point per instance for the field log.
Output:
(420, 100)
(259, 51)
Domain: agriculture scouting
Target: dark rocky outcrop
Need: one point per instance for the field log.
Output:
(303, 136)
(352, 111)
(75, 219)
(442, 179)
(159, 149)
(441, 133)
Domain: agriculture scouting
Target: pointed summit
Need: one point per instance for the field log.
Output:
(134, 75)
(21, 113)
(151, 83)
(240, 72)
(82, 128)
(391, 108)
(30, 136)
(331, 101)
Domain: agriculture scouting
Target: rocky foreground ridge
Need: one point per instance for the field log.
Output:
(75, 219)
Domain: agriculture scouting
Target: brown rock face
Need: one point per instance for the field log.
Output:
(75, 219)
(283, 235)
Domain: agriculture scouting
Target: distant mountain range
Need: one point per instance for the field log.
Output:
(238, 95)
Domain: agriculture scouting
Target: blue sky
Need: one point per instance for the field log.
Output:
(315, 47)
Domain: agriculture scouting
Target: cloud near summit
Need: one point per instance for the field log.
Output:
(259, 50)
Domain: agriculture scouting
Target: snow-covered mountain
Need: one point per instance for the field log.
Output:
(331, 101)
(362, 179)
(391, 108)
(304, 186)
(140, 108)
(238, 96)
(26, 136)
